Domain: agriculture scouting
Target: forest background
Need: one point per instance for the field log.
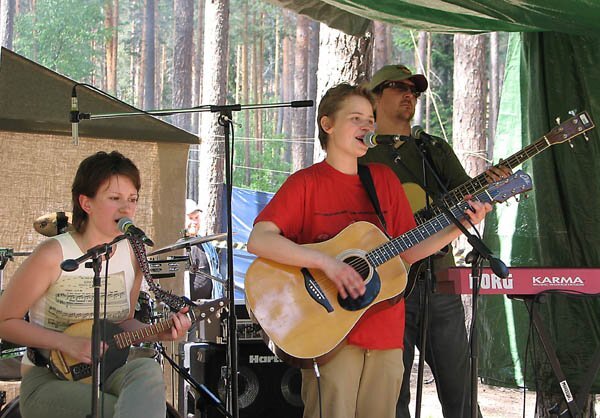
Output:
(170, 54)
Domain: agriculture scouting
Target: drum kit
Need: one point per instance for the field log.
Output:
(147, 310)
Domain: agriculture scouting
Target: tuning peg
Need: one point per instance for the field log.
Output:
(517, 199)
(571, 144)
(573, 112)
(209, 321)
(557, 120)
(585, 137)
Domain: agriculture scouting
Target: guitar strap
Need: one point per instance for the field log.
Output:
(175, 303)
(367, 180)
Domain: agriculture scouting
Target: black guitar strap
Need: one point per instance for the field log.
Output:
(365, 177)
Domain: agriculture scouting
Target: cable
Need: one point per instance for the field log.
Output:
(318, 376)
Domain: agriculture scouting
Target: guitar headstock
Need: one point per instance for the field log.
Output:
(577, 125)
(205, 310)
(517, 183)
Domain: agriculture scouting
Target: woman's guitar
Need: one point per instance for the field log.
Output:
(67, 368)
(300, 309)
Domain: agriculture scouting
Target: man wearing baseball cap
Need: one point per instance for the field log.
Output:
(396, 91)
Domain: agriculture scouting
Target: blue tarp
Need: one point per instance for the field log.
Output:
(245, 206)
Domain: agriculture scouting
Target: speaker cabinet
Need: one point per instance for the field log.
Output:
(267, 387)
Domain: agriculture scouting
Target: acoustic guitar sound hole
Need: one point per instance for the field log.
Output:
(360, 265)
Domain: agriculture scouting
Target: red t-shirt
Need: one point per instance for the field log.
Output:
(316, 203)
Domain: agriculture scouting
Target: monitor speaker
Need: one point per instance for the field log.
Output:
(267, 387)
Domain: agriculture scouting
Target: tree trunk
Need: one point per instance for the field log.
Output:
(212, 149)
(313, 62)
(342, 58)
(246, 91)
(7, 19)
(137, 69)
(420, 63)
(494, 93)
(111, 25)
(277, 79)
(287, 81)
(381, 45)
(428, 95)
(468, 119)
(182, 61)
(149, 54)
(300, 91)
(197, 80)
(160, 77)
(260, 86)
(194, 151)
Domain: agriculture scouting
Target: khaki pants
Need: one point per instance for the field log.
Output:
(356, 383)
(135, 390)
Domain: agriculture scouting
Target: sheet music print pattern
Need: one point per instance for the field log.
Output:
(71, 300)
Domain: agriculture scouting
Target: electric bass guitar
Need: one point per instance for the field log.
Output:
(301, 311)
(67, 368)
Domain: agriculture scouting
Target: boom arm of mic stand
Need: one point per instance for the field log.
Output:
(497, 266)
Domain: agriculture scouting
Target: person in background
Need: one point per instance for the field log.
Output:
(105, 189)
(396, 91)
(363, 378)
(204, 259)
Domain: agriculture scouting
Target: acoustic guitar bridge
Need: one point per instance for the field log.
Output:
(314, 290)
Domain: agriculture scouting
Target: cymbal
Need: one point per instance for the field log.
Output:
(54, 223)
(188, 242)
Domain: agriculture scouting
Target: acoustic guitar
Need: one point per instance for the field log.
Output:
(119, 341)
(300, 309)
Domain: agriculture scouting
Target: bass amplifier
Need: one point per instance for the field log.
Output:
(267, 387)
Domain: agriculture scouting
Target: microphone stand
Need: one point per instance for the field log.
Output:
(95, 254)
(427, 277)
(479, 252)
(429, 287)
(225, 120)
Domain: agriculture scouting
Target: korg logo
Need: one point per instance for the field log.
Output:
(557, 281)
(256, 359)
(491, 281)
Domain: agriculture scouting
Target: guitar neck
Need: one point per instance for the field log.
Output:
(393, 248)
(127, 338)
(479, 182)
(195, 313)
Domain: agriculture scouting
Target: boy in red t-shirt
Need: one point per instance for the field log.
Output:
(363, 378)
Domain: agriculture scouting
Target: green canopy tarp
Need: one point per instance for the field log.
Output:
(353, 17)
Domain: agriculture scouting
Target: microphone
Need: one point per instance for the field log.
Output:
(74, 116)
(127, 227)
(371, 139)
(419, 133)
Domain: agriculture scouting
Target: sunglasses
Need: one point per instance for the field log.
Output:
(401, 87)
